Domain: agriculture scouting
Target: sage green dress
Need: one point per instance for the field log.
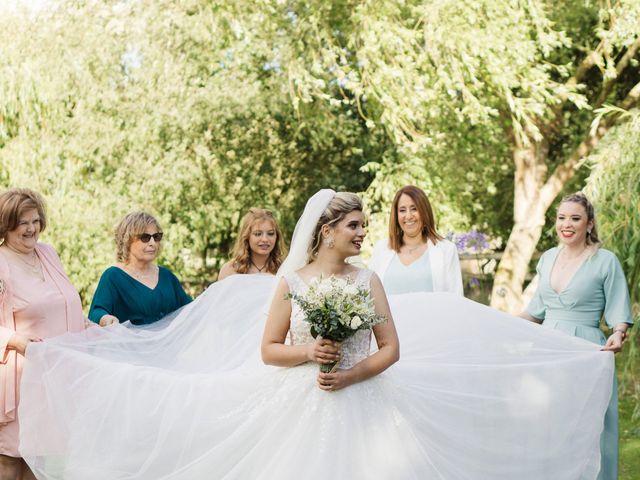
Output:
(598, 287)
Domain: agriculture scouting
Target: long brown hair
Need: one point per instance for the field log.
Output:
(581, 198)
(424, 210)
(241, 257)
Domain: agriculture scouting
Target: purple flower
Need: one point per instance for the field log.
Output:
(474, 282)
(471, 241)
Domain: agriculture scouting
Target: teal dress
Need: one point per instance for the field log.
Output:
(126, 298)
(415, 277)
(598, 287)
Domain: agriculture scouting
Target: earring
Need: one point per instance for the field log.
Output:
(329, 242)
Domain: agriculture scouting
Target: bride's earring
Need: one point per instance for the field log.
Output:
(329, 242)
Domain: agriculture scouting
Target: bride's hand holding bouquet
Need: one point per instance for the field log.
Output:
(328, 352)
(324, 351)
(335, 308)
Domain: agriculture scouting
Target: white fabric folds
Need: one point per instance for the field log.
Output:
(477, 394)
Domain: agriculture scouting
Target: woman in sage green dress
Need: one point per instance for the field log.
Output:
(578, 283)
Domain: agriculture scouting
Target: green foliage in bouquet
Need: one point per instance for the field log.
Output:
(336, 308)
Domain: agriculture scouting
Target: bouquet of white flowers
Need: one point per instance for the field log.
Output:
(337, 308)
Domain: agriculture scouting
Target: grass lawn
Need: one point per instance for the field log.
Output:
(629, 439)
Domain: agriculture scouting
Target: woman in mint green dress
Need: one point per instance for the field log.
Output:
(578, 283)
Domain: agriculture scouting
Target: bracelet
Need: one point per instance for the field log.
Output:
(623, 332)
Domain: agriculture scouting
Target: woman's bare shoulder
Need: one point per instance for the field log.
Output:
(227, 270)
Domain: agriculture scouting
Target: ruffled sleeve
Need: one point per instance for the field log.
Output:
(617, 307)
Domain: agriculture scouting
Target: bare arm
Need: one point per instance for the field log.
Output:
(273, 349)
(388, 347)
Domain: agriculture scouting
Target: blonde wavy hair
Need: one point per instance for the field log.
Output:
(241, 256)
(132, 225)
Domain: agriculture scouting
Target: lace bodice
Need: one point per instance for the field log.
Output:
(354, 349)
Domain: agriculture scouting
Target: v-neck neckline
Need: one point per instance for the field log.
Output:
(575, 274)
(412, 263)
(138, 281)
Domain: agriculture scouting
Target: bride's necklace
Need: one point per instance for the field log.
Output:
(258, 268)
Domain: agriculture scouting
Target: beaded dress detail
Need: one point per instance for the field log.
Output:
(355, 348)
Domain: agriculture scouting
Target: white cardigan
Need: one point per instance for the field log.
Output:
(443, 257)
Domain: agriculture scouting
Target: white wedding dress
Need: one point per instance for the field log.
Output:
(477, 394)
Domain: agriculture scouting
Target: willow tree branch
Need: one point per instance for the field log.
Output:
(622, 64)
(566, 170)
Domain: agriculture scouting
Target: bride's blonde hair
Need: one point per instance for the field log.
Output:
(339, 207)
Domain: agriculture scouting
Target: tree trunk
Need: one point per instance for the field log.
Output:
(507, 286)
(530, 206)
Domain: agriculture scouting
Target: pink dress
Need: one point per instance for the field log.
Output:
(30, 306)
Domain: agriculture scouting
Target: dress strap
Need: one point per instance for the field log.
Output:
(294, 281)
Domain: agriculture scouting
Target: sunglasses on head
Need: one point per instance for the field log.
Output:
(146, 237)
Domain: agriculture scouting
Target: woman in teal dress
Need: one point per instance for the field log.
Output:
(578, 283)
(136, 289)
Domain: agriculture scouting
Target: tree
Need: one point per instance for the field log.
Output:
(550, 145)
(528, 75)
(174, 108)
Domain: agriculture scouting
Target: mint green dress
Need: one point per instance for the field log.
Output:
(598, 287)
(415, 277)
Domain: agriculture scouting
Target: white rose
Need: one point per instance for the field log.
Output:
(350, 290)
(356, 322)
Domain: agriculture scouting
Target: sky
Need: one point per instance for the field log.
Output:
(9, 5)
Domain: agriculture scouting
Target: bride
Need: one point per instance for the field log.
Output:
(477, 394)
(338, 234)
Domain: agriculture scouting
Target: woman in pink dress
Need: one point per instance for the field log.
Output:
(37, 301)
